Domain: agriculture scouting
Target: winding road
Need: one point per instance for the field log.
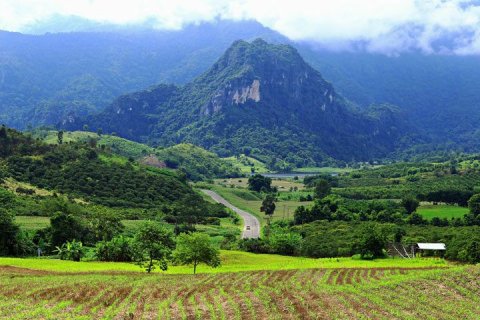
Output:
(251, 227)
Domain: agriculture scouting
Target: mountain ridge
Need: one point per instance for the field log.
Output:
(255, 92)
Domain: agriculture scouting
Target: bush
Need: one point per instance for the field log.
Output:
(119, 249)
(372, 243)
(71, 250)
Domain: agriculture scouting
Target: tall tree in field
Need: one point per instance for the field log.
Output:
(153, 244)
(268, 205)
(259, 183)
(8, 233)
(195, 248)
(474, 205)
(60, 137)
(322, 188)
(410, 205)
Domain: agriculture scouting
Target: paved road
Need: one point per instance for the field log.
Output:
(249, 219)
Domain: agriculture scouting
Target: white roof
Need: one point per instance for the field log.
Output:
(431, 246)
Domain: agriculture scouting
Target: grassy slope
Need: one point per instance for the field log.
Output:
(119, 145)
(442, 211)
(244, 164)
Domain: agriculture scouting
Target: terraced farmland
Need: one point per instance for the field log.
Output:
(341, 293)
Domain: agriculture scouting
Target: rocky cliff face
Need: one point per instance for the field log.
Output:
(260, 97)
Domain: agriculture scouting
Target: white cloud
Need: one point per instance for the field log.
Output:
(389, 26)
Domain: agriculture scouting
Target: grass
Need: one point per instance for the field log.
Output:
(232, 261)
(442, 211)
(32, 223)
(118, 145)
(281, 184)
(245, 164)
(285, 209)
(12, 185)
(35, 223)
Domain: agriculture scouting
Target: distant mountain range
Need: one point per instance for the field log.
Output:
(48, 79)
(260, 99)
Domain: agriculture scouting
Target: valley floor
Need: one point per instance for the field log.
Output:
(323, 289)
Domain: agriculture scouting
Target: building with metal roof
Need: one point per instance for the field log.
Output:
(431, 246)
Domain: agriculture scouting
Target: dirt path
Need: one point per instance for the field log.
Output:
(249, 219)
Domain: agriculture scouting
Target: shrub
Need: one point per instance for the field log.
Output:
(71, 250)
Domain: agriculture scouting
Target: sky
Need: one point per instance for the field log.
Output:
(387, 26)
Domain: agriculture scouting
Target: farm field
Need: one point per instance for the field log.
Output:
(400, 292)
(245, 200)
(442, 211)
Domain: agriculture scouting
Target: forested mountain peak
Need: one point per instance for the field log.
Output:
(258, 98)
(251, 72)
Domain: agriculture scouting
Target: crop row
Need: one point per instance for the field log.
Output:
(292, 294)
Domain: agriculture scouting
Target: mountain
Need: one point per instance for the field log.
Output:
(439, 92)
(258, 98)
(50, 78)
(44, 78)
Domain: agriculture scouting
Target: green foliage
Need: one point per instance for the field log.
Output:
(118, 249)
(105, 225)
(410, 204)
(9, 233)
(196, 162)
(67, 227)
(322, 188)
(259, 183)
(153, 245)
(77, 170)
(71, 250)
(372, 243)
(268, 205)
(474, 205)
(195, 248)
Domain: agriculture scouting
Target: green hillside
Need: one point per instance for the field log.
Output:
(198, 163)
(195, 162)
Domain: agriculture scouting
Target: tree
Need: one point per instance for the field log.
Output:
(105, 225)
(8, 233)
(268, 205)
(372, 243)
(196, 248)
(153, 244)
(259, 183)
(322, 188)
(471, 253)
(66, 227)
(474, 205)
(119, 249)
(410, 204)
(416, 219)
(60, 137)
